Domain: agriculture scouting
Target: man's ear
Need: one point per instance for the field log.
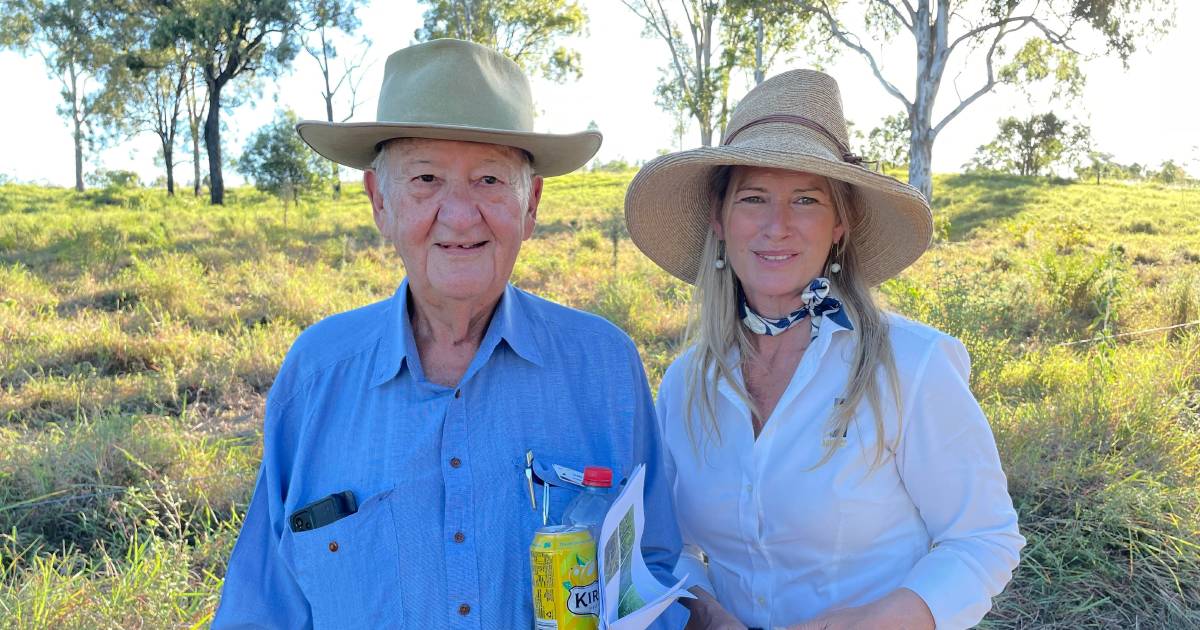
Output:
(535, 197)
(371, 187)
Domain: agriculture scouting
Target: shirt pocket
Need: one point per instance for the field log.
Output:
(561, 493)
(349, 570)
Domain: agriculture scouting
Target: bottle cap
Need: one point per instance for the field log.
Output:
(597, 476)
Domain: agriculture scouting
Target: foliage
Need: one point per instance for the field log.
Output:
(696, 78)
(322, 20)
(114, 179)
(760, 30)
(229, 38)
(160, 80)
(140, 334)
(1031, 146)
(720, 35)
(996, 28)
(279, 162)
(526, 31)
(888, 143)
(80, 45)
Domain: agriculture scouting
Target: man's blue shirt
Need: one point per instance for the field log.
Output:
(442, 532)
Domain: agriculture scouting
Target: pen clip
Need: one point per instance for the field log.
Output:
(529, 479)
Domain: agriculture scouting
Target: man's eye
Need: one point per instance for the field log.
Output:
(490, 179)
(428, 179)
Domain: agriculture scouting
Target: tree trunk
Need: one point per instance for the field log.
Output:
(920, 152)
(196, 160)
(78, 155)
(931, 52)
(212, 142)
(920, 141)
(759, 72)
(77, 119)
(168, 157)
(337, 182)
(706, 135)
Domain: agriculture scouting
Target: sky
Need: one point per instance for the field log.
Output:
(1145, 114)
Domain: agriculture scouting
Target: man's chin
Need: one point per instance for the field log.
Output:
(466, 290)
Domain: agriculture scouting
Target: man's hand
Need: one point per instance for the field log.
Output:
(901, 609)
(708, 614)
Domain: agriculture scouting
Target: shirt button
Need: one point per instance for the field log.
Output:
(333, 546)
(762, 601)
(464, 609)
(458, 393)
(749, 487)
(459, 537)
(455, 462)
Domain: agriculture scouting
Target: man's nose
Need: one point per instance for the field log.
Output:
(458, 209)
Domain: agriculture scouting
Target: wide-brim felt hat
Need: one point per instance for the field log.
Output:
(449, 89)
(791, 121)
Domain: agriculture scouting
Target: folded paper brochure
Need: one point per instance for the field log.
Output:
(631, 598)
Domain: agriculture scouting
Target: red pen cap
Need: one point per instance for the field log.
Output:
(597, 476)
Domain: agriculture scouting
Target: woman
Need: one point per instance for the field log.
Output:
(828, 458)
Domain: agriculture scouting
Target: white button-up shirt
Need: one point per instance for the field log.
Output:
(786, 541)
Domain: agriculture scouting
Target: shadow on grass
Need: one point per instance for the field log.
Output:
(974, 201)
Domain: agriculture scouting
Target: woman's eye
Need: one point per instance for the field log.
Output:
(428, 179)
(751, 199)
(806, 201)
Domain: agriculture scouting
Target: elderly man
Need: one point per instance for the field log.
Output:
(392, 492)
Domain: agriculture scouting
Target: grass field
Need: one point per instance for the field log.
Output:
(140, 335)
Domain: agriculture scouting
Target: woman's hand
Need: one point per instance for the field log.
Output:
(708, 614)
(901, 609)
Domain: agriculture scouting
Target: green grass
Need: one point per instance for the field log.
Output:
(139, 335)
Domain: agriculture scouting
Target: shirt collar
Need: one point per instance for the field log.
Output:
(511, 322)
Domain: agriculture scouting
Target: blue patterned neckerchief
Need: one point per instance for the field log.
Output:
(817, 303)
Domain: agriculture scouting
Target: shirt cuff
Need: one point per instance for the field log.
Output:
(945, 582)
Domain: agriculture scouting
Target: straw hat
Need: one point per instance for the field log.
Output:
(791, 121)
(449, 89)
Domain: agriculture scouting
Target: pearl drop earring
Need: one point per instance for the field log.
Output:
(719, 263)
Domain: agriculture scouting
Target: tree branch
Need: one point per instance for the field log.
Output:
(908, 24)
(827, 14)
(1058, 39)
(987, 87)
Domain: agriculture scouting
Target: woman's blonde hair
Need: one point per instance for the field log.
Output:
(714, 328)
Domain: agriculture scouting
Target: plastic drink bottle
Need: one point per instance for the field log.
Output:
(589, 508)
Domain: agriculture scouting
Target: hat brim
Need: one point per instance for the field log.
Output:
(667, 208)
(356, 144)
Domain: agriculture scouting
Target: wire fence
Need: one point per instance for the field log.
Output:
(1130, 334)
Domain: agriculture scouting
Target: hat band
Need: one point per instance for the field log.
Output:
(847, 156)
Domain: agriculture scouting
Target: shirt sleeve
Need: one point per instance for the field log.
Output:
(660, 540)
(691, 557)
(260, 590)
(948, 462)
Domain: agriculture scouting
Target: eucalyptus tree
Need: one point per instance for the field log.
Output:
(157, 96)
(230, 39)
(526, 31)
(1032, 145)
(322, 21)
(1020, 41)
(80, 43)
(706, 40)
